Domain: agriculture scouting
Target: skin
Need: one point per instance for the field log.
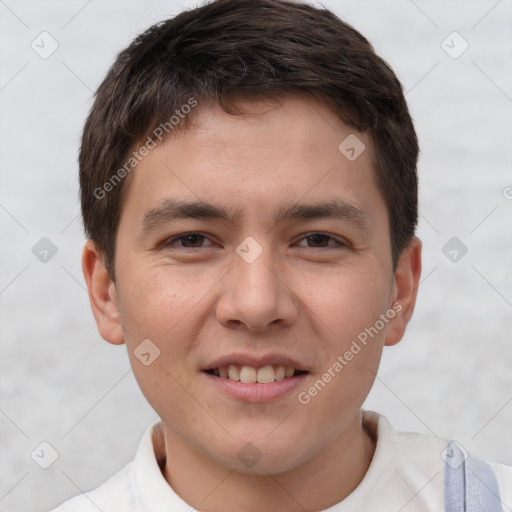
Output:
(307, 298)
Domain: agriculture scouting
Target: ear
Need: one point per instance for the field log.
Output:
(405, 289)
(102, 295)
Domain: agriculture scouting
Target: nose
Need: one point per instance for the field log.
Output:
(256, 295)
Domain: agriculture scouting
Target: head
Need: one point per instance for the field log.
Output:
(228, 224)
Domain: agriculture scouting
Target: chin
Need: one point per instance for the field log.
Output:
(263, 457)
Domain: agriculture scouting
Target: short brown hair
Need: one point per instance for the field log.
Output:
(229, 49)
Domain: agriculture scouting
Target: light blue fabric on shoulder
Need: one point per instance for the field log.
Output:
(470, 484)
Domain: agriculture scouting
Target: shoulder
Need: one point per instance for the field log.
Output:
(115, 494)
(503, 474)
(139, 486)
(406, 448)
(436, 467)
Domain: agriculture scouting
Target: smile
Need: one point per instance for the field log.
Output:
(249, 374)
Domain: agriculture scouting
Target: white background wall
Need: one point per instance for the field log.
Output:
(61, 383)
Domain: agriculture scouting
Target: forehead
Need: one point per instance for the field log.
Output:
(272, 156)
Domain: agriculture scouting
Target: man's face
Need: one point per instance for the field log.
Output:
(297, 267)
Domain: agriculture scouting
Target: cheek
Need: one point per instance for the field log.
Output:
(348, 307)
(158, 305)
(346, 300)
(159, 301)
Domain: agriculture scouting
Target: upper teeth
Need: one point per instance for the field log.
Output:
(262, 375)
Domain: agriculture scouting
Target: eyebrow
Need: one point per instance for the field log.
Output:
(171, 209)
(335, 209)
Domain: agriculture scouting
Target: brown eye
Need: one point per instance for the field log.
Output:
(318, 240)
(193, 240)
(322, 241)
(186, 241)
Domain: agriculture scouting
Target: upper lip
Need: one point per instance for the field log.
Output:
(255, 361)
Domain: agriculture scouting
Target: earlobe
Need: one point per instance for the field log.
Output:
(102, 295)
(405, 289)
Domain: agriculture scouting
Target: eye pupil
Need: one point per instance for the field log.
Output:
(192, 240)
(318, 239)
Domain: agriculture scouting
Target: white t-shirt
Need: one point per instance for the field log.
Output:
(406, 474)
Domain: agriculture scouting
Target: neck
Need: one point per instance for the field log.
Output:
(318, 483)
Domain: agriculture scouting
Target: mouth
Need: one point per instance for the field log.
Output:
(256, 378)
(250, 374)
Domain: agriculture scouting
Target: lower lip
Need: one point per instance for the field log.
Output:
(255, 392)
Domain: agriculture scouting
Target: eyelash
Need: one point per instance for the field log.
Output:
(170, 241)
